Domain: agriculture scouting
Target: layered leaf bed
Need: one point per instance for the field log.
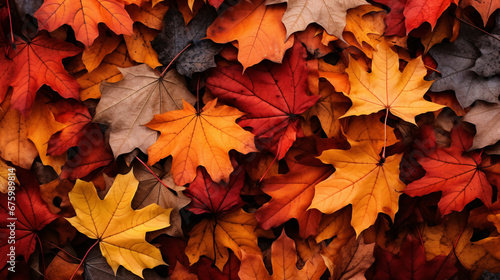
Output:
(262, 139)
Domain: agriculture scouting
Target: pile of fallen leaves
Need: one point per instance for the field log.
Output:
(261, 139)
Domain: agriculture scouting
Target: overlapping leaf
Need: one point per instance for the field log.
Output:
(272, 95)
(119, 229)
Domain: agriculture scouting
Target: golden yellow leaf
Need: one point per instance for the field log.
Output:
(120, 230)
(387, 88)
(362, 178)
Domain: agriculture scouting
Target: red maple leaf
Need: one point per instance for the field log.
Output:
(411, 263)
(272, 96)
(79, 123)
(28, 213)
(210, 197)
(460, 176)
(292, 193)
(33, 64)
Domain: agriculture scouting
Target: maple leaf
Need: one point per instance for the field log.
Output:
(283, 260)
(30, 215)
(77, 124)
(455, 63)
(459, 176)
(348, 259)
(329, 108)
(105, 44)
(485, 8)
(119, 229)
(360, 166)
(292, 194)
(385, 88)
(485, 117)
(331, 15)
(272, 95)
(139, 45)
(33, 64)
(4, 177)
(106, 71)
(148, 94)
(176, 36)
(212, 237)
(95, 266)
(256, 27)
(148, 14)
(24, 138)
(199, 138)
(366, 23)
(210, 197)
(413, 13)
(487, 64)
(150, 191)
(84, 17)
(410, 263)
(93, 152)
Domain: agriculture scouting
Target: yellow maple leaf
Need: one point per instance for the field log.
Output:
(363, 179)
(120, 230)
(387, 88)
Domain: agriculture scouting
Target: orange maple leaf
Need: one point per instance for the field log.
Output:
(34, 64)
(199, 138)
(84, 17)
(256, 27)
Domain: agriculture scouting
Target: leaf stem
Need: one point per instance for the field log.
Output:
(83, 259)
(10, 21)
(385, 132)
(41, 249)
(168, 66)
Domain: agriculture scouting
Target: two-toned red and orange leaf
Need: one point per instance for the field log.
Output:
(292, 194)
(312, 40)
(34, 64)
(386, 88)
(458, 175)
(77, 120)
(210, 197)
(41, 125)
(256, 27)
(363, 179)
(272, 95)
(406, 15)
(203, 138)
(212, 237)
(410, 263)
(93, 152)
(84, 17)
(28, 214)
